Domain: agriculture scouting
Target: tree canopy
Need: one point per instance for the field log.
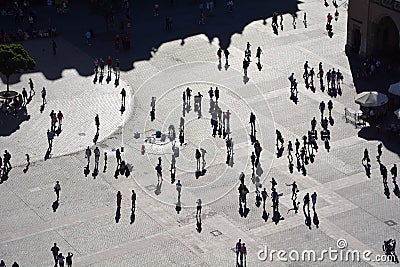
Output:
(13, 59)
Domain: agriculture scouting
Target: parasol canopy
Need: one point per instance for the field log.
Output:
(371, 99)
(395, 89)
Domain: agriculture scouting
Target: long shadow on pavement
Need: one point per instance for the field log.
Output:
(147, 33)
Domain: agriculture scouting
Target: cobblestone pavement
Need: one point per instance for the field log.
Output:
(350, 206)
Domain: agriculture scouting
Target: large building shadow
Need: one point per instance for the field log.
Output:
(148, 32)
(388, 74)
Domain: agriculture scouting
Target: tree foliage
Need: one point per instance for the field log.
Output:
(14, 59)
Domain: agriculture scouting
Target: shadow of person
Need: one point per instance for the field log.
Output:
(133, 216)
(331, 120)
(259, 169)
(157, 191)
(275, 29)
(227, 66)
(4, 176)
(48, 153)
(55, 205)
(321, 85)
(312, 87)
(277, 217)
(108, 79)
(219, 66)
(307, 219)
(253, 138)
(386, 190)
(231, 162)
(265, 215)
(367, 168)
(95, 79)
(58, 131)
(116, 82)
(42, 108)
(396, 190)
(118, 214)
(294, 98)
(95, 173)
(96, 137)
(101, 77)
(122, 109)
(327, 145)
(25, 170)
(245, 79)
(105, 167)
(173, 175)
(198, 224)
(178, 206)
(259, 66)
(86, 170)
(279, 152)
(315, 219)
(303, 170)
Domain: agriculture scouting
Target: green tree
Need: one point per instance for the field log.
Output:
(13, 59)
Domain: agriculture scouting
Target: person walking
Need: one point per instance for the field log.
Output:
(159, 172)
(7, 161)
(238, 250)
(219, 54)
(24, 95)
(314, 199)
(246, 64)
(366, 157)
(226, 53)
(322, 108)
(133, 198)
(88, 153)
(258, 54)
(60, 117)
(68, 259)
(118, 156)
(50, 137)
(55, 251)
(295, 190)
(123, 95)
(264, 196)
(393, 171)
(252, 123)
(97, 122)
(198, 211)
(243, 254)
(31, 92)
(57, 189)
(61, 259)
(44, 101)
(253, 160)
(96, 158)
(119, 199)
(179, 188)
(216, 93)
(198, 156)
(306, 201)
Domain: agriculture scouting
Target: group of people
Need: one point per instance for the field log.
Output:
(59, 259)
(99, 68)
(247, 57)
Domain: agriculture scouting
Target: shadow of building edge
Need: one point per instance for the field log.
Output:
(244, 14)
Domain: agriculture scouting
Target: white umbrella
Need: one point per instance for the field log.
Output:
(395, 89)
(371, 99)
(397, 113)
